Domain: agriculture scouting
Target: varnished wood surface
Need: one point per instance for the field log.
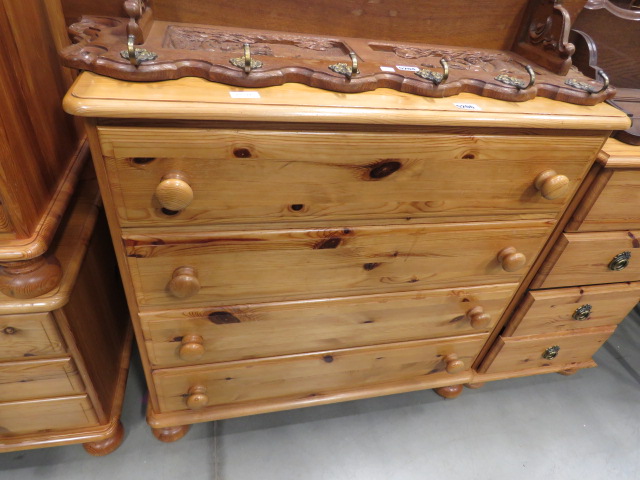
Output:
(239, 176)
(621, 155)
(198, 99)
(279, 265)
(38, 416)
(549, 311)
(229, 333)
(515, 353)
(37, 140)
(30, 379)
(312, 374)
(106, 446)
(584, 258)
(29, 335)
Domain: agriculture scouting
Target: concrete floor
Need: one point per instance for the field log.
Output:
(586, 426)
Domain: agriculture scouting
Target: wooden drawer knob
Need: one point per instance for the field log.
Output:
(454, 364)
(478, 318)
(192, 348)
(173, 192)
(184, 282)
(551, 185)
(511, 260)
(197, 398)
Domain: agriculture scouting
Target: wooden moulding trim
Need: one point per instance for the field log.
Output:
(40, 241)
(490, 377)
(76, 240)
(197, 99)
(82, 435)
(621, 155)
(161, 420)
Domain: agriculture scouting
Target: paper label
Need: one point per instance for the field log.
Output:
(387, 69)
(467, 106)
(407, 69)
(244, 94)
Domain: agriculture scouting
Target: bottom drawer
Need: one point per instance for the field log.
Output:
(319, 373)
(39, 379)
(546, 351)
(35, 416)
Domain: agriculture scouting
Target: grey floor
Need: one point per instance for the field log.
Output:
(586, 426)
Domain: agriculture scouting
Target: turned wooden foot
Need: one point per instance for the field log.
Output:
(475, 385)
(170, 434)
(106, 446)
(30, 278)
(568, 371)
(452, 391)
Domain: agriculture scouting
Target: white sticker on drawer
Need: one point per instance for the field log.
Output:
(407, 69)
(467, 106)
(244, 94)
(387, 69)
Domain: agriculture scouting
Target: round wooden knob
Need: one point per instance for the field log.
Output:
(197, 398)
(478, 318)
(511, 260)
(184, 282)
(192, 348)
(454, 364)
(551, 185)
(173, 192)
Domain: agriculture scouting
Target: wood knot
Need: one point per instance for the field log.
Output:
(143, 160)
(328, 243)
(370, 266)
(469, 156)
(328, 358)
(242, 153)
(384, 169)
(9, 331)
(296, 207)
(223, 318)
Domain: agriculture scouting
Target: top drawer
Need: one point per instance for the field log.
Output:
(29, 335)
(171, 176)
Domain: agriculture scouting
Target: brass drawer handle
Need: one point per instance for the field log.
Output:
(582, 313)
(453, 363)
(551, 185)
(197, 397)
(551, 352)
(192, 348)
(620, 261)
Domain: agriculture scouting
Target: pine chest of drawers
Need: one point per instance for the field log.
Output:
(295, 247)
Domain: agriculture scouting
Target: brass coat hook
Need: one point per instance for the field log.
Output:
(572, 82)
(347, 70)
(435, 77)
(516, 82)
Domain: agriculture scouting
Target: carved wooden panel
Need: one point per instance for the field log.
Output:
(257, 58)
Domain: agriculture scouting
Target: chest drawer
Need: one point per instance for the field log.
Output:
(179, 337)
(591, 258)
(45, 415)
(229, 268)
(163, 177)
(552, 352)
(557, 310)
(38, 379)
(612, 203)
(312, 374)
(29, 335)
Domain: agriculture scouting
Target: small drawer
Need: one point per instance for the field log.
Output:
(29, 335)
(545, 352)
(29, 379)
(228, 268)
(186, 388)
(169, 176)
(180, 337)
(46, 415)
(548, 311)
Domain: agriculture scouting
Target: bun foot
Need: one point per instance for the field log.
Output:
(475, 385)
(106, 446)
(449, 392)
(170, 434)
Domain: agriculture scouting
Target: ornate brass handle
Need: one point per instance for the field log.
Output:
(582, 313)
(435, 77)
(620, 261)
(347, 70)
(516, 82)
(551, 352)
